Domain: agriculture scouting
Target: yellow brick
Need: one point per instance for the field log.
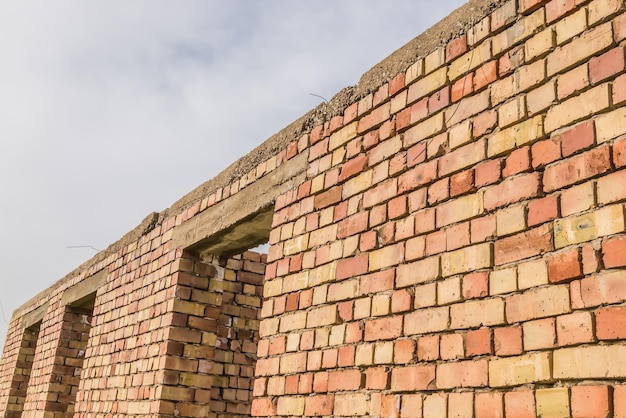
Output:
(273, 287)
(317, 184)
(290, 405)
(295, 282)
(503, 281)
(323, 235)
(591, 362)
(362, 308)
(338, 156)
(425, 129)
(515, 136)
(459, 209)
(580, 49)
(530, 75)
(512, 111)
(322, 274)
(364, 354)
(380, 305)
(532, 274)
(350, 404)
(319, 294)
(386, 257)
(296, 245)
(460, 134)
(539, 334)
(475, 313)
(539, 44)
(425, 296)
(538, 303)
(502, 89)
(398, 102)
(343, 135)
(466, 259)
(611, 125)
(469, 61)
(424, 321)
(510, 220)
(449, 291)
(426, 85)
(579, 107)
(383, 352)
(324, 315)
(552, 403)
(434, 406)
(337, 334)
(269, 326)
(514, 371)
(578, 198)
(570, 26)
(415, 71)
(521, 30)
(434, 60)
(346, 289)
(541, 98)
(357, 184)
(605, 221)
(292, 321)
(599, 9)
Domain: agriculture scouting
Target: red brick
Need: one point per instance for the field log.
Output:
(397, 207)
(404, 351)
(579, 137)
(374, 119)
(438, 191)
(619, 396)
(419, 111)
(591, 259)
(508, 341)
(489, 405)
(351, 267)
(412, 378)
(574, 328)
(485, 74)
(488, 172)
(396, 84)
(316, 134)
(456, 48)
(327, 198)
(519, 404)
(352, 167)
(611, 323)
(264, 407)
(475, 285)
(546, 152)
(461, 183)
(344, 380)
(318, 150)
(512, 190)
(436, 242)
(473, 373)
(458, 236)
(614, 252)
(606, 65)
(478, 342)
(565, 266)
(483, 228)
(383, 328)
(484, 123)
(354, 332)
(557, 8)
(518, 161)
(572, 82)
(401, 301)
(542, 210)
(577, 168)
(403, 119)
(428, 348)
(619, 153)
(418, 176)
(439, 100)
(352, 225)
(320, 382)
(377, 378)
(390, 406)
(591, 401)
(319, 405)
(462, 87)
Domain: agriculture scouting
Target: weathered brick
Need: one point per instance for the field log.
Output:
(601, 222)
(426, 320)
(507, 341)
(412, 378)
(589, 362)
(475, 313)
(517, 135)
(514, 371)
(418, 272)
(577, 108)
(610, 125)
(523, 245)
(462, 158)
(537, 303)
(473, 373)
(611, 187)
(552, 402)
(565, 265)
(539, 334)
(459, 209)
(383, 328)
(577, 168)
(387, 256)
(574, 328)
(519, 404)
(591, 401)
(466, 259)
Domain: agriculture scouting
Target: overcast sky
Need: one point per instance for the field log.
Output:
(112, 110)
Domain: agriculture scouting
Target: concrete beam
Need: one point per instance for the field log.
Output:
(244, 219)
(84, 288)
(34, 316)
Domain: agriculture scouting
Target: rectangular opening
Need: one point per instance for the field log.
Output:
(23, 369)
(70, 355)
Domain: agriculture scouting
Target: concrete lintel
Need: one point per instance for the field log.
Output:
(226, 221)
(34, 316)
(84, 288)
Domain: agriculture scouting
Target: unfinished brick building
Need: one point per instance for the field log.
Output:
(447, 238)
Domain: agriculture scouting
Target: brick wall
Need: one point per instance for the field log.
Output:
(450, 243)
